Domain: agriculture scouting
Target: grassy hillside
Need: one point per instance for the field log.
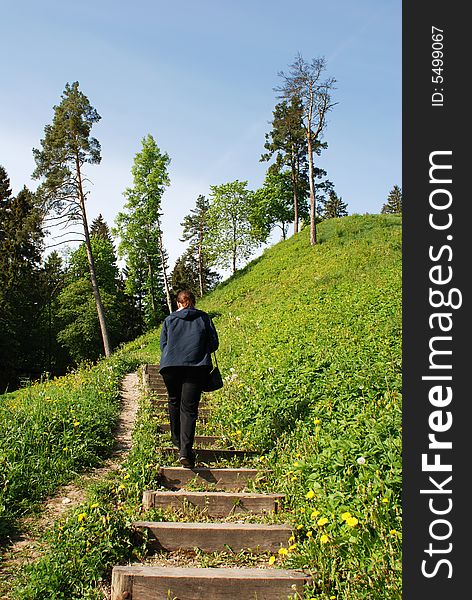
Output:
(310, 346)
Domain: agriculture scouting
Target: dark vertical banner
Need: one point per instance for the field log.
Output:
(437, 412)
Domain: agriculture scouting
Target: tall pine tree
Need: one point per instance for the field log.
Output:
(393, 206)
(67, 147)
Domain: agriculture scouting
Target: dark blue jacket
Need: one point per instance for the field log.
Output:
(188, 337)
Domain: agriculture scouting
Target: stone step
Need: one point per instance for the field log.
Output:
(215, 537)
(142, 582)
(207, 455)
(215, 504)
(225, 479)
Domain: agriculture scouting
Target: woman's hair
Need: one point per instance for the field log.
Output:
(186, 298)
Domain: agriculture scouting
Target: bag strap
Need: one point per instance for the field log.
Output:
(216, 362)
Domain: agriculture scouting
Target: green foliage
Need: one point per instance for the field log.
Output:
(21, 244)
(231, 237)
(194, 267)
(334, 207)
(394, 202)
(51, 430)
(76, 310)
(140, 232)
(67, 144)
(311, 350)
(273, 204)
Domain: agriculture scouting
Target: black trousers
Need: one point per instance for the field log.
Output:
(184, 389)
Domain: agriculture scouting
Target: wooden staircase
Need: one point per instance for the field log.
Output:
(224, 496)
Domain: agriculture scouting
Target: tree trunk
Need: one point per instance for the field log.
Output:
(200, 263)
(151, 283)
(295, 193)
(311, 179)
(164, 271)
(93, 277)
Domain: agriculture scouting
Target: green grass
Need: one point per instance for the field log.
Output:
(311, 351)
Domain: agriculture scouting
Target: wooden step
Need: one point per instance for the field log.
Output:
(207, 439)
(149, 368)
(165, 427)
(199, 439)
(225, 479)
(215, 537)
(202, 419)
(141, 582)
(203, 413)
(215, 504)
(207, 455)
(159, 402)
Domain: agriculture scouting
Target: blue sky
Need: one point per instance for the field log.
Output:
(199, 76)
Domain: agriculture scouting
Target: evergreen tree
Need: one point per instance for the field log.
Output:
(287, 141)
(67, 147)
(21, 244)
(196, 228)
(393, 206)
(334, 207)
(304, 82)
(140, 233)
(55, 357)
(186, 274)
(100, 228)
(80, 334)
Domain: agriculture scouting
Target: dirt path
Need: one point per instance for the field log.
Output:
(26, 547)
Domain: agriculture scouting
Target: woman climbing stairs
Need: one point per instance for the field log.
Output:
(223, 499)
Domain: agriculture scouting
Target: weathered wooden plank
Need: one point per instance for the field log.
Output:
(226, 479)
(158, 583)
(215, 504)
(159, 401)
(215, 537)
(207, 439)
(215, 454)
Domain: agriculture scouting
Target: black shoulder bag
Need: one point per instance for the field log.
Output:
(214, 381)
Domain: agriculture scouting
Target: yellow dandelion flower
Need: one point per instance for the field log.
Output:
(393, 532)
(324, 539)
(299, 526)
(271, 560)
(291, 538)
(95, 505)
(81, 517)
(322, 521)
(385, 500)
(315, 513)
(292, 547)
(238, 432)
(294, 478)
(283, 551)
(352, 521)
(296, 464)
(332, 598)
(345, 516)
(76, 423)
(317, 421)
(309, 534)
(309, 495)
